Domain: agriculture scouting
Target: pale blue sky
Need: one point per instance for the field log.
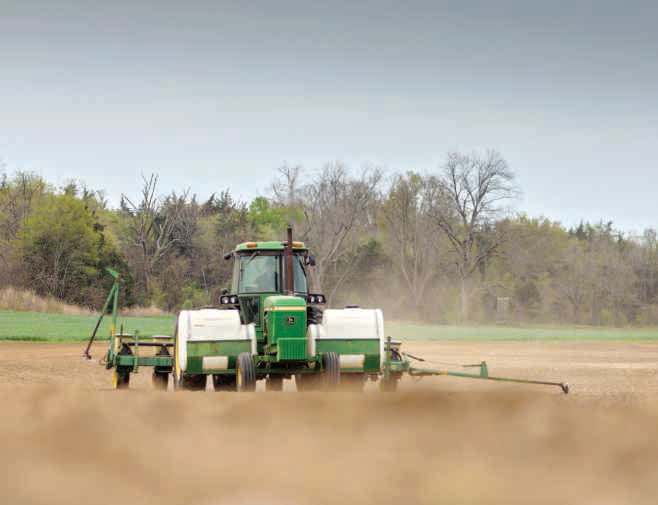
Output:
(215, 95)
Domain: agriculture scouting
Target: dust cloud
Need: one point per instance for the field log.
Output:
(70, 439)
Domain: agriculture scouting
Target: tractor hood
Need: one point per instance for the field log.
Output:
(284, 301)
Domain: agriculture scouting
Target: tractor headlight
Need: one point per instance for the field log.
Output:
(234, 299)
(225, 300)
(311, 298)
(316, 299)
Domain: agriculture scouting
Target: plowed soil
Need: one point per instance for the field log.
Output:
(66, 438)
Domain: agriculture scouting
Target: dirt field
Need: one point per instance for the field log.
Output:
(65, 438)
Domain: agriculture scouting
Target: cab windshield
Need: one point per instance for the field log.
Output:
(265, 273)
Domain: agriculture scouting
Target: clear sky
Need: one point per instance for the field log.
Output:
(215, 95)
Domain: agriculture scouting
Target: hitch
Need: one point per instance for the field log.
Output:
(405, 366)
(484, 375)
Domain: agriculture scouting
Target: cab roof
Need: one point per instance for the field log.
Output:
(269, 246)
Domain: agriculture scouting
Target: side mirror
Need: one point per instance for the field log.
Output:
(228, 256)
(224, 291)
(310, 260)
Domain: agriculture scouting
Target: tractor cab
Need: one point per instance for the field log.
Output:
(260, 268)
(261, 283)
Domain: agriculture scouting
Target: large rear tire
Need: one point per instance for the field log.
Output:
(246, 373)
(314, 315)
(331, 371)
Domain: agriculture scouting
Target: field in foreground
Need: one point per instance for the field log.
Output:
(66, 438)
(44, 327)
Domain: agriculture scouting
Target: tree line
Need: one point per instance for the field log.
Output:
(440, 247)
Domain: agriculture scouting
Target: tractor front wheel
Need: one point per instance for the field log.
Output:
(245, 373)
(331, 368)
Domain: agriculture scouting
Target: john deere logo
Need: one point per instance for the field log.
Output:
(291, 320)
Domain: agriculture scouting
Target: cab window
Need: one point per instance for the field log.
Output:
(259, 274)
(301, 283)
(265, 273)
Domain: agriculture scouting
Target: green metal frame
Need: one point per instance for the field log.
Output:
(116, 356)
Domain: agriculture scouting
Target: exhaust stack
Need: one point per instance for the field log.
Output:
(290, 281)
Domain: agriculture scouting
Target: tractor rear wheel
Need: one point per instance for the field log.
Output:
(274, 383)
(120, 379)
(246, 373)
(196, 382)
(223, 382)
(331, 367)
(160, 380)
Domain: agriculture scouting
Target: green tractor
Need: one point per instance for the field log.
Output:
(270, 326)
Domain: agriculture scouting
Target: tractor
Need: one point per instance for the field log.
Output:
(270, 326)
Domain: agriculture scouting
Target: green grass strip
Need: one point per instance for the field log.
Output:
(42, 327)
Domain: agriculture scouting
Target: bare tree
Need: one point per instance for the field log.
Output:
(18, 197)
(409, 239)
(614, 286)
(152, 226)
(573, 281)
(338, 209)
(468, 198)
(645, 261)
(226, 224)
(184, 228)
(285, 187)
